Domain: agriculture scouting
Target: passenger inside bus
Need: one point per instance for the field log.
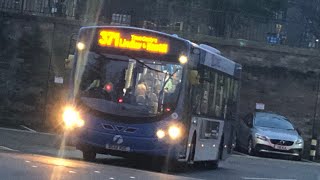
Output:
(141, 93)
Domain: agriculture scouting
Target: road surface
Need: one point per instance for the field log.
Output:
(28, 155)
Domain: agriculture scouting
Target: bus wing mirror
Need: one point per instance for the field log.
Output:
(69, 62)
(194, 77)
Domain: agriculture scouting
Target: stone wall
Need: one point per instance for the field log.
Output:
(29, 84)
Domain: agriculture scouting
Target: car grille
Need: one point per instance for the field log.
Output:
(281, 142)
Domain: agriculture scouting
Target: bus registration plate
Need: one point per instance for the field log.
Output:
(280, 147)
(117, 147)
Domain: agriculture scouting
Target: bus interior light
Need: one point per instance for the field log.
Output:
(108, 87)
(183, 59)
(120, 100)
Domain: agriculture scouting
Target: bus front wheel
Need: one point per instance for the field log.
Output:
(212, 164)
(89, 156)
(192, 149)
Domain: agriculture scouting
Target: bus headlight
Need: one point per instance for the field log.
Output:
(161, 134)
(81, 46)
(71, 118)
(174, 132)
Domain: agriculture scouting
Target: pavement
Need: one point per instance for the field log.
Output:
(31, 155)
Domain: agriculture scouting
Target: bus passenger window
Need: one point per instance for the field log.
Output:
(213, 92)
(205, 97)
(219, 96)
(235, 90)
(226, 96)
(196, 98)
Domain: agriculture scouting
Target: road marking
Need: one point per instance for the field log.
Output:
(26, 131)
(256, 178)
(29, 129)
(306, 160)
(7, 149)
(278, 160)
(239, 153)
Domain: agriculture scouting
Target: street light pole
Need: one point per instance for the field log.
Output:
(314, 134)
(48, 76)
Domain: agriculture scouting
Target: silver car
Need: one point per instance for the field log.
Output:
(262, 132)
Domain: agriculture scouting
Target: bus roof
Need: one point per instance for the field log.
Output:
(214, 59)
(136, 28)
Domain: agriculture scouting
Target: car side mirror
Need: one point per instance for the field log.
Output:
(299, 131)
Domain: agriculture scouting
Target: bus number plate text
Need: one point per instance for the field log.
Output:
(117, 147)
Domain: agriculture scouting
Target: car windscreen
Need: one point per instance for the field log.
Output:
(276, 122)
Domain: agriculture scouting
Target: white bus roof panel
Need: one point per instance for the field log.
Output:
(220, 63)
(209, 48)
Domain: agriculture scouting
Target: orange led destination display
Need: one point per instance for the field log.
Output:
(136, 42)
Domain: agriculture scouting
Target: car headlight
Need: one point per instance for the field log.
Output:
(299, 141)
(261, 137)
(174, 132)
(71, 118)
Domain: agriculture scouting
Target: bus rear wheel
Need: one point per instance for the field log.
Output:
(89, 156)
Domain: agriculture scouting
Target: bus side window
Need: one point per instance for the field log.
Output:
(196, 98)
(219, 96)
(226, 96)
(213, 93)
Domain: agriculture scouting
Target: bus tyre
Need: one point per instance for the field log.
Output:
(236, 144)
(212, 165)
(192, 149)
(89, 156)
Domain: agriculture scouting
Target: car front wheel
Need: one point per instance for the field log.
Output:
(251, 150)
(297, 158)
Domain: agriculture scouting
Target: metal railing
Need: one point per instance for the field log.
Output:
(235, 25)
(187, 20)
(40, 7)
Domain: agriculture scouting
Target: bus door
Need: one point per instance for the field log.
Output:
(208, 140)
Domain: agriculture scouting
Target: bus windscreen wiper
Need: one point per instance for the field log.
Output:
(144, 64)
(161, 93)
(137, 60)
